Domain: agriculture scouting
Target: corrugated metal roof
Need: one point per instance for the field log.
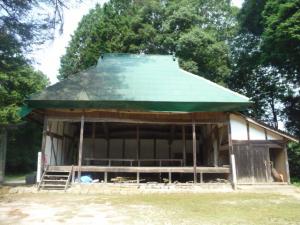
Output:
(138, 82)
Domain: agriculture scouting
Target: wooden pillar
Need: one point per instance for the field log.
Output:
(44, 142)
(201, 177)
(105, 177)
(287, 164)
(80, 147)
(215, 146)
(138, 150)
(233, 171)
(194, 153)
(231, 156)
(123, 150)
(183, 146)
(93, 139)
(107, 148)
(154, 149)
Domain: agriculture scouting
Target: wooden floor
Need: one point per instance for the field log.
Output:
(142, 169)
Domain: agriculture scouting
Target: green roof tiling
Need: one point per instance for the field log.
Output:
(138, 82)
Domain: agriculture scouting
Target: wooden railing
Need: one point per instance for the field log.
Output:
(132, 161)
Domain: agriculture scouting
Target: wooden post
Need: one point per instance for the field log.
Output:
(183, 146)
(105, 177)
(215, 147)
(73, 176)
(43, 148)
(287, 165)
(201, 177)
(138, 152)
(123, 150)
(154, 149)
(93, 139)
(80, 147)
(39, 168)
(233, 171)
(194, 153)
(137, 177)
(107, 148)
(170, 177)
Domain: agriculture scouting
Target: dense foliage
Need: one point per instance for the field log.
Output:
(154, 26)
(23, 24)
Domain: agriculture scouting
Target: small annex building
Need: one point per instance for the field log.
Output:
(144, 118)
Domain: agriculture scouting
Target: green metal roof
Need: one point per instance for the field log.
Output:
(138, 82)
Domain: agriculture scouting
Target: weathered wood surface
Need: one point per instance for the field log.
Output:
(252, 163)
(142, 169)
(94, 115)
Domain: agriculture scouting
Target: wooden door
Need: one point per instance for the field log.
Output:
(252, 163)
(260, 157)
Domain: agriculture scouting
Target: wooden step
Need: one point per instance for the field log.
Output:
(53, 175)
(53, 185)
(46, 180)
(53, 179)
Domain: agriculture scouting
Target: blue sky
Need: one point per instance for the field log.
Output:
(47, 57)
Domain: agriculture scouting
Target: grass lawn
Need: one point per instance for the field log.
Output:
(208, 208)
(14, 177)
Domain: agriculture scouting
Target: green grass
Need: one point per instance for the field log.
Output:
(207, 209)
(16, 176)
(227, 208)
(295, 181)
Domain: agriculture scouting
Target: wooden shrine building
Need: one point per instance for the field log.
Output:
(142, 116)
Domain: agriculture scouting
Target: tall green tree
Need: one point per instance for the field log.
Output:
(155, 26)
(265, 64)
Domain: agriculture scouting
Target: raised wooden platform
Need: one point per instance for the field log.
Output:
(141, 169)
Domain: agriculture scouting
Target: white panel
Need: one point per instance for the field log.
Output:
(115, 148)
(238, 128)
(147, 146)
(256, 132)
(162, 149)
(130, 148)
(273, 136)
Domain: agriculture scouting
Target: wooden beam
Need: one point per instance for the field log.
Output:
(194, 154)
(94, 115)
(80, 147)
(183, 146)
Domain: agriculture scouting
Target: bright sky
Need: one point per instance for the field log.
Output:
(48, 56)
